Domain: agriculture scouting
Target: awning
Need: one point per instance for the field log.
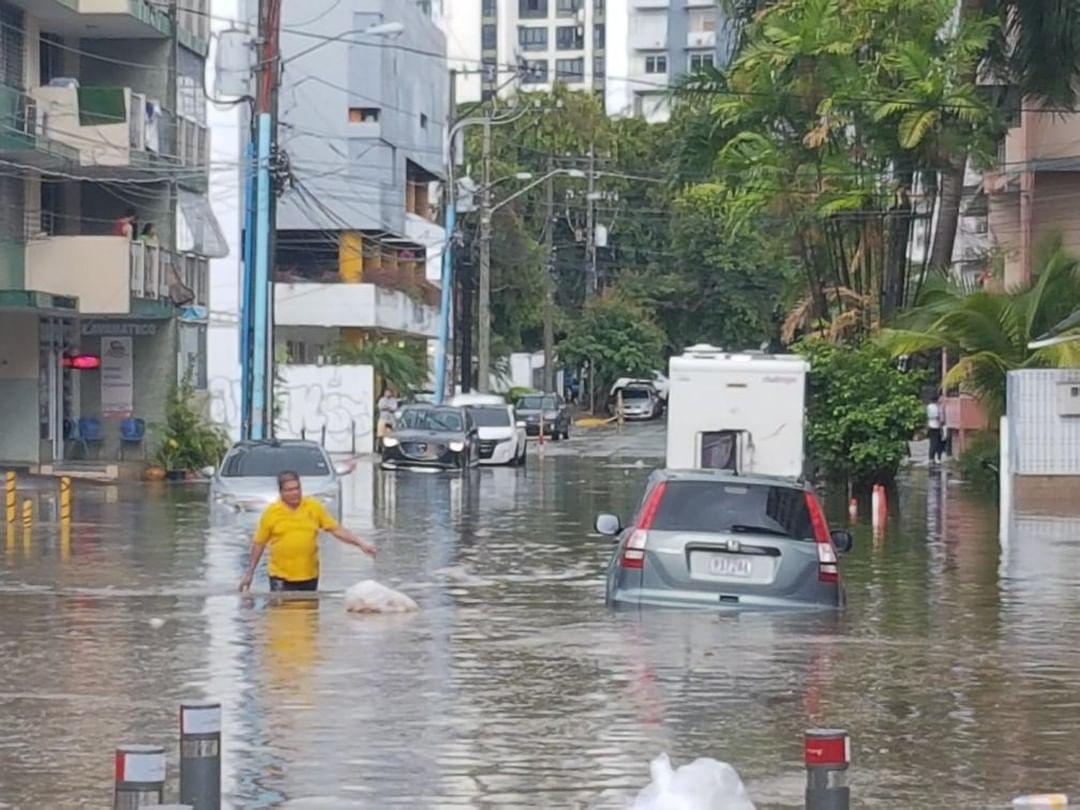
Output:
(198, 230)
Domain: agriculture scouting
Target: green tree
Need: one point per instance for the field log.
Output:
(189, 440)
(990, 331)
(402, 367)
(616, 337)
(862, 412)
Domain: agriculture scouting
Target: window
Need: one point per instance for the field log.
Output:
(711, 506)
(267, 460)
(423, 121)
(567, 8)
(532, 39)
(532, 9)
(491, 416)
(570, 70)
(598, 67)
(535, 403)
(363, 115)
(534, 71)
(491, 70)
(656, 64)
(489, 8)
(702, 20)
(598, 6)
(700, 61)
(598, 35)
(488, 36)
(12, 46)
(569, 38)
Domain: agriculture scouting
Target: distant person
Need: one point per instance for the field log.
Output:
(934, 431)
(387, 406)
(149, 234)
(125, 225)
(290, 527)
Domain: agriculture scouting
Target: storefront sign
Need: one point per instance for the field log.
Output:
(117, 372)
(119, 328)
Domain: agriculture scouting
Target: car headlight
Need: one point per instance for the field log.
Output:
(457, 447)
(389, 441)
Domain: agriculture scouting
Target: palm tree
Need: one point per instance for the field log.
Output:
(990, 331)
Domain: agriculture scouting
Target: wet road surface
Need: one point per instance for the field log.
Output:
(954, 667)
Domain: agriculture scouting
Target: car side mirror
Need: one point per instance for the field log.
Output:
(343, 468)
(843, 540)
(608, 525)
(208, 472)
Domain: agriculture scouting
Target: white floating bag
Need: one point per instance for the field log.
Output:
(704, 784)
(371, 597)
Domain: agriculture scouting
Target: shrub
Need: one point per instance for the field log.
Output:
(979, 462)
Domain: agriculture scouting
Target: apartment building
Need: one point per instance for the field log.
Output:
(101, 113)
(539, 41)
(654, 42)
(362, 121)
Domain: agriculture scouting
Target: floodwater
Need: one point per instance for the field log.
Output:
(955, 666)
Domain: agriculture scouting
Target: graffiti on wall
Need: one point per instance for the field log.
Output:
(333, 405)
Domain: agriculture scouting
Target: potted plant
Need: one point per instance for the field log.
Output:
(189, 441)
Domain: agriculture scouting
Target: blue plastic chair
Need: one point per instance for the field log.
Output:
(89, 433)
(132, 431)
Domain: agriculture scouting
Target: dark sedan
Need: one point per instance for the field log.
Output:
(432, 436)
(548, 410)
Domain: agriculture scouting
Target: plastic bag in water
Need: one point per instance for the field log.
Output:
(371, 597)
(704, 784)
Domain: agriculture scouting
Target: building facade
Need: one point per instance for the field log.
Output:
(102, 115)
(362, 122)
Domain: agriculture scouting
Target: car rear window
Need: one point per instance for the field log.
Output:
(635, 393)
(246, 462)
(723, 506)
(537, 403)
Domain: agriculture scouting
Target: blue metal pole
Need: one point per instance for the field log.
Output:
(261, 283)
(444, 305)
(247, 291)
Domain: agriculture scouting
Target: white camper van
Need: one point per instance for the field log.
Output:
(737, 412)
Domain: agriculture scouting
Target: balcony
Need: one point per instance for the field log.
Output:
(652, 3)
(361, 306)
(111, 275)
(116, 128)
(103, 19)
(649, 37)
(23, 137)
(701, 39)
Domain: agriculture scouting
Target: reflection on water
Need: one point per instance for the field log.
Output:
(954, 668)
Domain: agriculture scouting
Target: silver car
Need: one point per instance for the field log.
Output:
(246, 482)
(711, 539)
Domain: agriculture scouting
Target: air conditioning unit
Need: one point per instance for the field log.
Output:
(1069, 398)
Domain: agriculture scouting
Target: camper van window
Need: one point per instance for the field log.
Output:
(720, 450)
(712, 506)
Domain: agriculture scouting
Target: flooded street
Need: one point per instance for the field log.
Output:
(954, 667)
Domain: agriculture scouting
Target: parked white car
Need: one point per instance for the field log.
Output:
(502, 437)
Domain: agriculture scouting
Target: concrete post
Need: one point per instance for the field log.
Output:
(200, 755)
(619, 408)
(827, 753)
(10, 496)
(140, 776)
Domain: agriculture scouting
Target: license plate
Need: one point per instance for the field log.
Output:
(726, 566)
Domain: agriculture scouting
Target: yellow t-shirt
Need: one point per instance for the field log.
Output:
(293, 538)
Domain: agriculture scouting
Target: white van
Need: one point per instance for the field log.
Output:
(502, 436)
(741, 412)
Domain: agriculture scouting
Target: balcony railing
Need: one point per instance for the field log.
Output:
(157, 274)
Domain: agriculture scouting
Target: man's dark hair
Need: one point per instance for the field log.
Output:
(285, 477)
(129, 212)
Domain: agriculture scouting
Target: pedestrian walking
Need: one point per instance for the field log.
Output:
(935, 430)
(387, 406)
(290, 527)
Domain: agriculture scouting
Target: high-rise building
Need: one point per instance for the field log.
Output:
(105, 229)
(653, 42)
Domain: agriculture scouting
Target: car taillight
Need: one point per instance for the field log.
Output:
(828, 570)
(633, 555)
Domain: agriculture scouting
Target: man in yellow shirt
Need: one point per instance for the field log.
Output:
(290, 527)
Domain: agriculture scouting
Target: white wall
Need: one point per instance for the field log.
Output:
(1042, 441)
(96, 269)
(363, 306)
(460, 22)
(339, 398)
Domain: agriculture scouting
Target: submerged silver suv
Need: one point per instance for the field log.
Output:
(711, 539)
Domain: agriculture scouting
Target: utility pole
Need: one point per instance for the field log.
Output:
(590, 229)
(465, 275)
(449, 224)
(549, 278)
(484, 325)
(258, 360)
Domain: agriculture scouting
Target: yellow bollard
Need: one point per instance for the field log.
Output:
(65, 499)
(619, 409)
(9, 495)
(27, 513)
